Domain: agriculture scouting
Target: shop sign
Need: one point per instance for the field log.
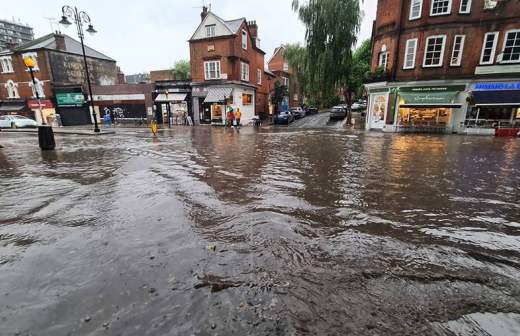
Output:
(498, 86)
(430, 95)
(428, 89)
(45, 103)
(70, 99)
(379, 90)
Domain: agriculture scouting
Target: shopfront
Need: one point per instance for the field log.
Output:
(72, 109)
(493, 106)
(171, 107)
(377, 109)
(428, 109)
(48, 111)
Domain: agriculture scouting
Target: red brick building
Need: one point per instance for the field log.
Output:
(227, 67)
(445, 66)
(284, 74)
(59, 73)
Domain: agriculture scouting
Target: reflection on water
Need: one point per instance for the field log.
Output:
(214, 231)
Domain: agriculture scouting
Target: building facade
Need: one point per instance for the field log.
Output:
(227, 68)
(279, 66)
(14, 33)
(59, 75)
(445, 66)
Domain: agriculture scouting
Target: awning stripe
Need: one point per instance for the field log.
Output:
(172, 97)
(11, 108)
(216, 95)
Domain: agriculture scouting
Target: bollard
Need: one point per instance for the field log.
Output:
(46, 138)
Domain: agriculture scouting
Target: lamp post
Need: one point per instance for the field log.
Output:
(80, 18)
(29, 63)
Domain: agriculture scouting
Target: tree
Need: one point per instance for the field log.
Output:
(296, 56)
(182, 69)
(279, 93)
(331, 32)
(360, 68)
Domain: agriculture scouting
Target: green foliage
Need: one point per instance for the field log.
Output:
(182, 69)
(331, 32)
(280, 92)
(360, 67)
(296, 56)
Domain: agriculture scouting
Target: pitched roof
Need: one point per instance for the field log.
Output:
(71, 46)
(234, 25)
(282, 47)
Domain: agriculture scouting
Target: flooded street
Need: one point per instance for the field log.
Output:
(278, 232)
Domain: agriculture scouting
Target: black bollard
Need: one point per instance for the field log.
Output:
(46, 138)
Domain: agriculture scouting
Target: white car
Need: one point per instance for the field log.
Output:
(16, 121)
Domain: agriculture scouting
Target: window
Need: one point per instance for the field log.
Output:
(37, 88)
(295, 97)
(212, 70)
(488, 48)
(440, 7)
(34, 57)
(285, 81)
(458, 49)
(210, 30)
(465, 6)
(434, 51)
(244, 71)
(244, 39)
(247, 99)
(12, 89)
(286, 66)
(415, 9)
(411, 51)
(7, 65)
(512, 47)
(259, 77)
(383, 59)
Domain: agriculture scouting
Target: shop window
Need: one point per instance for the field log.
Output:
(7, 64)
(244, 40)
(465, 7)
(247, 99)
(244, 71)
(409, 57)
(458, 49)
(489, 48)
(434, 51)
(212, 70)
(518, 113)
(415, 9)
(440, 7)
(512, 47)
(210, 30)
(495, 113)
(424, 117)
(12, 89)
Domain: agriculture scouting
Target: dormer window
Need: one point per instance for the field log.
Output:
(210, 30)
(244, 40)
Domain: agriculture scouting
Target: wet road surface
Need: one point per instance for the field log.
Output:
(278, 232)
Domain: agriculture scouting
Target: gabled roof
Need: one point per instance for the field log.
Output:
(276, 51)
(231, 26)
(71, 46)
(234, 25)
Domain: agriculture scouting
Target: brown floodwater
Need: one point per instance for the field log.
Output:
(272, 232)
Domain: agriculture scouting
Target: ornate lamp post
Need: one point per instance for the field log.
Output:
(80, 18)
(29, 63)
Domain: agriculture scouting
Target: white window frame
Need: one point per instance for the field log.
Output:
(12, 89)
(285, 66)
(244, 39)
(416, 40)
(505, 42)
(458, 62)
(38, 87)
(493, 51)
(468, 7)
(383, 55)
(412, 3)
(244, 72)
(7, 64)
(285, 81)
(207, 70)
(211, 30)
(259, 76)
(450, 3)
(442, 51)
(34, 57)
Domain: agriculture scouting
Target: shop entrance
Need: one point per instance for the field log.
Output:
(424, 119)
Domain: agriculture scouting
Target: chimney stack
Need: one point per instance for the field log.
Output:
(204, 13)
(60, 42)
(253, 29)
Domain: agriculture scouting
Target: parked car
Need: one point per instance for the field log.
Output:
(356, 106)
(16, 121)
(298, 112)
(338, 112)
(311, 110)
(283, 118)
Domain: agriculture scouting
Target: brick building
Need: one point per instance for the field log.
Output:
(279, 66)
(227, 67)
(60, 78)
(445, 66)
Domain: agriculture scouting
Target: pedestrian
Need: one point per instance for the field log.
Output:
(107, 120)
(230, 117)
(238, 115)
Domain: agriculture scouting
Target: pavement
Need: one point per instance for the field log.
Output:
(62, 130)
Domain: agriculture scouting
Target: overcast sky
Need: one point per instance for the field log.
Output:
(152, 35)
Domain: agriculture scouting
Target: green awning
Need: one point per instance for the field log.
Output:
(429, 96)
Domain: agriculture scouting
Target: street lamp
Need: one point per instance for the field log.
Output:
(80, 18)
(29, 63)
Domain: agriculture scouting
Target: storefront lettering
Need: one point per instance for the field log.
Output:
(497, 86)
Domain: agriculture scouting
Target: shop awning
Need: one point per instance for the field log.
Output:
(216, 95)
(497, 98)
(429, 96)
(12, 108)
(172, 97)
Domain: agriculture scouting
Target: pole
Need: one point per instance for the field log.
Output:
(37, 96)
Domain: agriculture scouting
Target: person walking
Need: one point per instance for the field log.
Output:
(238, 116)
(107, 120)
(230, 118)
